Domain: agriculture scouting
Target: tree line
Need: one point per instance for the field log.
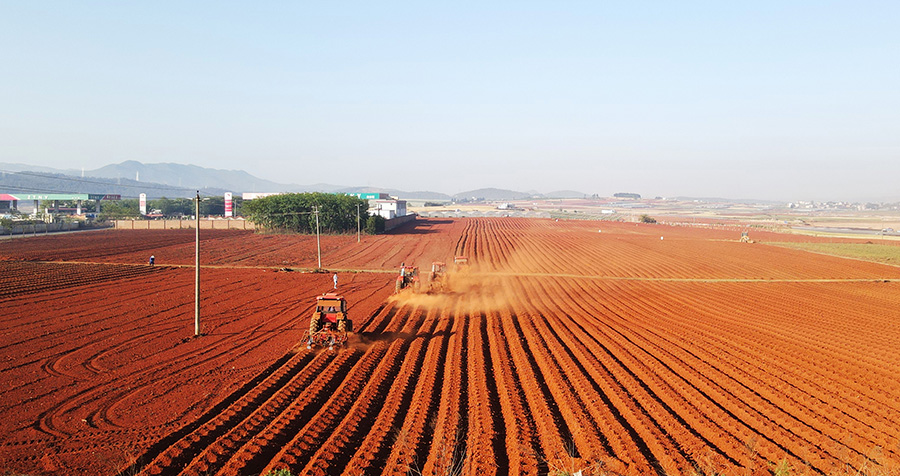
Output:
(290, 212)
(297, 212)
(168, 207)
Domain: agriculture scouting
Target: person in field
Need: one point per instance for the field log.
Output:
(335, 280)
(152, 260)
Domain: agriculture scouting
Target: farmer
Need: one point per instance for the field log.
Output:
(152, 260)
(335, 280)
(403, 269)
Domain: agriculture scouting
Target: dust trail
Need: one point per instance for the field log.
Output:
(471, 289)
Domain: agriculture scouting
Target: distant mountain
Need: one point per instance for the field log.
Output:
(423, 195)
(131, 178)
(9, 167)
(492, 194)
(29, 182)
(390, 191)
(188, 176)
(565, 194)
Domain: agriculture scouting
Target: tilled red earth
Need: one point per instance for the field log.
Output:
(638, 349)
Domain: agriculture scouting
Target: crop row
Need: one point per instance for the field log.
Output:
(626, 251)
(18, 278)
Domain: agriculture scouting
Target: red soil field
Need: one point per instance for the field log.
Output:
(611, 347)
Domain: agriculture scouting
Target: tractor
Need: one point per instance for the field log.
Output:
(408, 278)
(329, 325)
(437, 279)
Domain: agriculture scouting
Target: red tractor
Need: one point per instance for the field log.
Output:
(408, 278)
(438, 277)
(329, 325)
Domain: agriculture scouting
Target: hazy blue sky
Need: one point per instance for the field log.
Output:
(766, 99)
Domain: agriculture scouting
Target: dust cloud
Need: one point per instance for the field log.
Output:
(471, 289)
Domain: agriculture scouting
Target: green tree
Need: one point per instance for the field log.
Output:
(119, 209)
(172, 207)
(375, 225)
(647, 219)
(212, 206)
(297, 212)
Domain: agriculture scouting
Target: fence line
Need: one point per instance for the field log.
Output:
(205, 224)
(392, 223)
(39, 228)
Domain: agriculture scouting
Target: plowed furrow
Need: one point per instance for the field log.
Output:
(540, 404)
(174, 458)
(523, 447)
(769, 411)
(343, 442)
(659, 385)
(682, 423)
(217, 441)
(858, 396)
(654, 446)
(257, 449)
(384, 418)
(400, 451)
(448, 452)
(160, 447)
(812, 410)
(297, 452)
(485, 440)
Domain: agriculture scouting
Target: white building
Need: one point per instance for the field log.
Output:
(387, 208)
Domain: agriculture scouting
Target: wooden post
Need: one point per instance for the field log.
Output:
(197, 273)
(318, 243)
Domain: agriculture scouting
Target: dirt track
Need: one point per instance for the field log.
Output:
(561, 346)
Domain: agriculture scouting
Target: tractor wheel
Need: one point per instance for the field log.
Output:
(314, 324)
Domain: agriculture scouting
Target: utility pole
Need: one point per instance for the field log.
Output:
(197, 273)
(318, 243)
(357, 222)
